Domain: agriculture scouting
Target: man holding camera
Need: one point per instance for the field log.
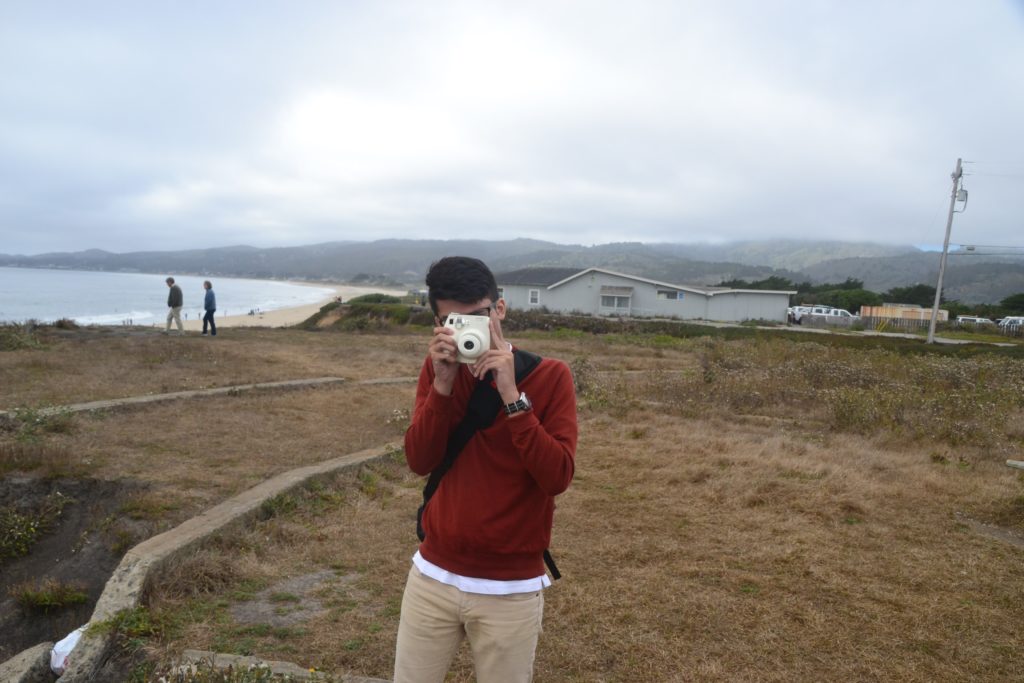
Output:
(479, 571)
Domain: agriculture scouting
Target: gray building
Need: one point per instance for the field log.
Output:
(596, 291)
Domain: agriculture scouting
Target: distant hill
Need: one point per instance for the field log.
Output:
(649, 260)
(399, 260)
(969, 279)
(793, 255)
(974, 279)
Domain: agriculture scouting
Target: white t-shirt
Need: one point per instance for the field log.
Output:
(468, 584)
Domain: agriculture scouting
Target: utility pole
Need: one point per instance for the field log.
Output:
(957, 175)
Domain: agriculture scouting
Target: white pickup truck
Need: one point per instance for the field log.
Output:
(797, 313)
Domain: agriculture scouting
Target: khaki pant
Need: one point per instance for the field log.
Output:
(502, 632)
(175, 315)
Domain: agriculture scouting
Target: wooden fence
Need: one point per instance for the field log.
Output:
(912, 325)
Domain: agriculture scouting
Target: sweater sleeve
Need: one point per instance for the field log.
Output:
(427, 435)
(546, 442)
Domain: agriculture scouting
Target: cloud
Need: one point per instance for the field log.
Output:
(138, 127)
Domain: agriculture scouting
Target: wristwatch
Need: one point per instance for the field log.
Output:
(520, 406)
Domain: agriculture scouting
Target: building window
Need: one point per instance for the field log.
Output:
(670, 295)
(614, 301)
(534, 297)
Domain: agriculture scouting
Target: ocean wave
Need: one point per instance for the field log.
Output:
(137, 317)
(105, 298)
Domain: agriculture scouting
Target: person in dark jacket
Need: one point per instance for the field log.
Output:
(210, 306)
(174, 303)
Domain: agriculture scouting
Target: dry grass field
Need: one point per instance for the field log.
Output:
(756, 508)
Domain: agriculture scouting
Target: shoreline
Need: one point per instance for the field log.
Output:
(154, 314)
(285, 317)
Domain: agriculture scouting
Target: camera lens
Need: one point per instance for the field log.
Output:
(468, 345)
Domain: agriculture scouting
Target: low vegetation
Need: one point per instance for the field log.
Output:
(30, 423)
(748, 504)
(20, 529)
(19, 336)
(47, 595)
(41, 458)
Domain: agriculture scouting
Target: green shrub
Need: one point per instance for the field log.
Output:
(374, 299)
(21, 529)
(32, 422)
(18, 532)
(48, 595)
(364, 315)
(18, 336)
(395, 313)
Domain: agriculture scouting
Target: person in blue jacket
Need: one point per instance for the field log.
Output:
(209, 305)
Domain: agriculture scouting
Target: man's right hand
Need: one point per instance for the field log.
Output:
(443, 353)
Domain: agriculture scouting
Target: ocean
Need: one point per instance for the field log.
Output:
(99, 298)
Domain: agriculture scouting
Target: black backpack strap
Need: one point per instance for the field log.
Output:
(552, 567)
(481, 401)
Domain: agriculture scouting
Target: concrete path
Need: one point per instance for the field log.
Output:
(297, 673)
(198, 393)
(177, 395)
(125, 587)
(30, 666)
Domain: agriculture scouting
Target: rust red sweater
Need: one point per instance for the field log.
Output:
(490, 517)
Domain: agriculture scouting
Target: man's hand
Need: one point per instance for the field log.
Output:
(501, 362)
(443, 353)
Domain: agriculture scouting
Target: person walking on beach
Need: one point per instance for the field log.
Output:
(174, 302)
(479, 571)
(210, 306)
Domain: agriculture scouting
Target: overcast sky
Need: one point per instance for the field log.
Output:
(174, 124)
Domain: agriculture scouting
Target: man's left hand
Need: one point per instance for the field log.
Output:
(501, 362)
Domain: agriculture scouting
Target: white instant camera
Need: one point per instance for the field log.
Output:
(472, 335)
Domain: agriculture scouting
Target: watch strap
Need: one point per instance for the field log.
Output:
(519, 405)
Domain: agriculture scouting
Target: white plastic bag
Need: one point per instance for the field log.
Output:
(62, 650)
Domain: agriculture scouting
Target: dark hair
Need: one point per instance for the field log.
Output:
(170, 280)
(460, 278)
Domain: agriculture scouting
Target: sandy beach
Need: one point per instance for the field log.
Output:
(284, 317)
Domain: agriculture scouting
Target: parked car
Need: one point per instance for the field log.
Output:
(972, 320)
(796, 313)
(1012, 321)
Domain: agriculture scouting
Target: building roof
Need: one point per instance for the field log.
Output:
(697, 289)
(542, 277)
